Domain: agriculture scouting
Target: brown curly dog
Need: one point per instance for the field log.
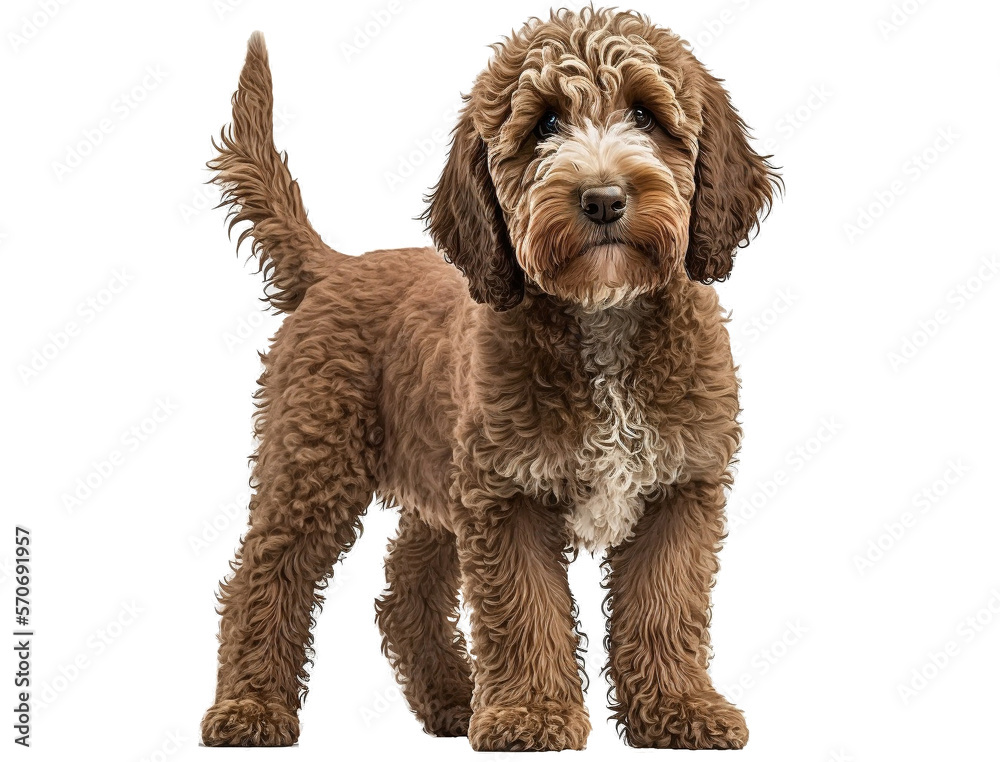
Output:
(584, 396)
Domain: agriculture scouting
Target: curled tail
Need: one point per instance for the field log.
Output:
(259, 189)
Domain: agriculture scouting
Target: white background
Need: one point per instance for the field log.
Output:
(842, 437)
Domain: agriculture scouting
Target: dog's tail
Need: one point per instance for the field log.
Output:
(259, 189)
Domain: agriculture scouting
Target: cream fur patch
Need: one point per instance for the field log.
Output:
(618, 463)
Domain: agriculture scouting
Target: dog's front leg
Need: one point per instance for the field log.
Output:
(528, 693)
(658, 644)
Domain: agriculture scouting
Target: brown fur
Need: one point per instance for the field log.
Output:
(584, 396)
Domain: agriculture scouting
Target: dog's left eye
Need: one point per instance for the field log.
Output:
(643, 118)
(547, 126)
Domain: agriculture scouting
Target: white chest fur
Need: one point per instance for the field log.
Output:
(619, 461)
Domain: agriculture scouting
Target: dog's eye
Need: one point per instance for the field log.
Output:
(547, 126)
(643, 118)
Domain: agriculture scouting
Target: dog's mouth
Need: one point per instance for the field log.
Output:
(614, 246)
(607, 248)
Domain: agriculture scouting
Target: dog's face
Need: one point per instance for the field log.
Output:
(598, 159)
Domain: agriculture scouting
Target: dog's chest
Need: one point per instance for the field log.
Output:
(614, 457)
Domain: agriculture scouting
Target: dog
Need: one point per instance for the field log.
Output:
(555, 375)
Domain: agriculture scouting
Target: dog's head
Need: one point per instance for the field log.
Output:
(596, 157)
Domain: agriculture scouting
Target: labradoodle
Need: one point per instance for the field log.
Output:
(556, 375)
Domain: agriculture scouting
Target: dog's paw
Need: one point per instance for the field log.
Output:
(249, 722)
(545, 726)
(449, 721)
(698, 721)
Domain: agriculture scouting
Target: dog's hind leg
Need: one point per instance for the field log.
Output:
(313, 479)
(418, 616)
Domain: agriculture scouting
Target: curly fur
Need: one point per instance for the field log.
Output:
(563, 385)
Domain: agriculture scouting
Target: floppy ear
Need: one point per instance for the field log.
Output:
(733, 185)
(465, 220)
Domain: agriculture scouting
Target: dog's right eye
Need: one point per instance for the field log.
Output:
(547, 126)
(643, 118)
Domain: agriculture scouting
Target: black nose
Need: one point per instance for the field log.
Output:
(603, 204)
